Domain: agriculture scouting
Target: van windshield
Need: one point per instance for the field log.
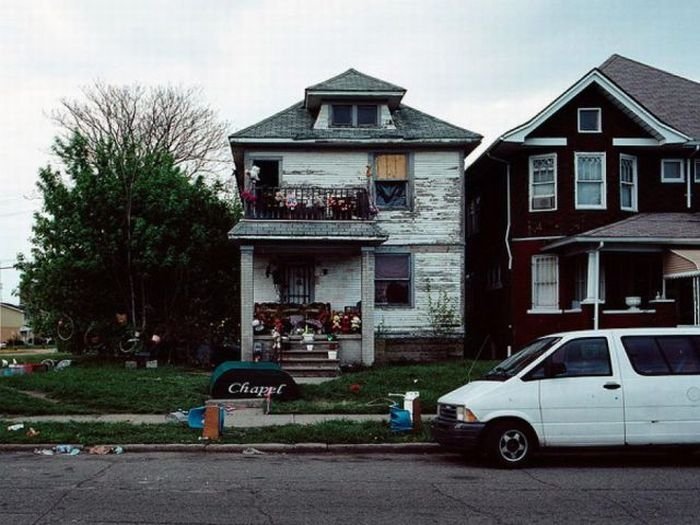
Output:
(519, 360)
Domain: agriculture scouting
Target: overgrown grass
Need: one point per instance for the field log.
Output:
(329, 432)
(89, 387)
(106, 388)
(366, 391)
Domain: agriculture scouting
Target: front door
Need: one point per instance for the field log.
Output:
(580, 395)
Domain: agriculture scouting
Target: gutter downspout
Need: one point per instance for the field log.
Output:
(506, 240)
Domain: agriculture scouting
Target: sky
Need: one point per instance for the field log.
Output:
(486, 66)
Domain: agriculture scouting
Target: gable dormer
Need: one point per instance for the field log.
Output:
(353, 100)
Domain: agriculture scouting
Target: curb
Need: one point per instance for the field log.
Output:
(254, 449)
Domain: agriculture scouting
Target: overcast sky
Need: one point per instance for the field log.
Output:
(482, 65)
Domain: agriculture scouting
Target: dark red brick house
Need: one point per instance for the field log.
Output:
(587, 215)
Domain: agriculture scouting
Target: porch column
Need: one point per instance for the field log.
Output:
(593, 284)
(367, 297)
(247, 303)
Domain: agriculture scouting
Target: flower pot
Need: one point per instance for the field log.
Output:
(633, 302)
(309, 347)
(307, 338)
(332, 354)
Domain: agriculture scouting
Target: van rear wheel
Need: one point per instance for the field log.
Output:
(509, 444)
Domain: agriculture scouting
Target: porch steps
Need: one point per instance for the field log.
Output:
(300, 362)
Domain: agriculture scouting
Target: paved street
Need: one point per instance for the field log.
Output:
(210, 488)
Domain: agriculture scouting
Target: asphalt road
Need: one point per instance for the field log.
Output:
(209, 488)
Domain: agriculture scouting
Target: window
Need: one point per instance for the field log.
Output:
(666, 355)
(545, 282)
(391, 180)
(697, 171)
(589, 120)
(342, 114)
(367, 116)
(628, 182)
(590, 181)
(543, 182)
(672, 170)
(392, 279)
(581, 357)
(350, 115)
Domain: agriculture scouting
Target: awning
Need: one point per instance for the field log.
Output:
(681, 263)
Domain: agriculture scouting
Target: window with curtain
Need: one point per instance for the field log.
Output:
(391, 180)
(392, 279)
(590, 180)
(628, 182)
(545, 282)
(543, 182)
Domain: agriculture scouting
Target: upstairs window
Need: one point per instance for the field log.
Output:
(543, 182)
(391, 180)
(672, 170)
(392, 279)
(697, 171)
(341, 114)
(590, 181)
(367, 116)
(589, 120)
(628, 182)
(351, 115)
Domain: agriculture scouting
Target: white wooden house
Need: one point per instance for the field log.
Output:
(353, 206)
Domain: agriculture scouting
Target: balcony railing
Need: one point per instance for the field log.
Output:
(308, 203)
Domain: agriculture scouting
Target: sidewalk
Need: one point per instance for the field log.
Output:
(239, 417)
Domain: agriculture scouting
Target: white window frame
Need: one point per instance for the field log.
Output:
(697, 171)
(603, 191)
(633, 160)
(537, 261)
(600, 120)
(531, 182)
(667, 180)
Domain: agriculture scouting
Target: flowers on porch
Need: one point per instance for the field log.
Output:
(248, 196)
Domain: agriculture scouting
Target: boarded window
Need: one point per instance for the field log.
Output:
(391, 182)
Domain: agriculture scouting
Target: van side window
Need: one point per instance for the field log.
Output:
(580, 357)
(663, 355)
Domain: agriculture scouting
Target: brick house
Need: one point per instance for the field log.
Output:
(353, 203)
(586, 215)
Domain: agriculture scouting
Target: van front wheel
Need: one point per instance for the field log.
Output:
(509, 444)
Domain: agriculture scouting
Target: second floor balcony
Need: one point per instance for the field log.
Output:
(308, 203)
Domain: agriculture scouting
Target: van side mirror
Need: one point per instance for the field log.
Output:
(556, 369)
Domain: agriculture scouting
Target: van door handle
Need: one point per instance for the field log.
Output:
(612, 386)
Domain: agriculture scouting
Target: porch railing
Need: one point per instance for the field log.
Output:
(307, 203)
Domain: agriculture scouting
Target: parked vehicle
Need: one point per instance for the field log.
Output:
(596, 388)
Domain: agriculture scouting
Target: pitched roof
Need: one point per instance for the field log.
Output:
(353, 80)
(303, 231)
(296, 124)
(672, 99)
(656, 228)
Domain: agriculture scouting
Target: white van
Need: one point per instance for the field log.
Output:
(598, 388)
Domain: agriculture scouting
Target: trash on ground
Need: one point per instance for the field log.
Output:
(69, 450)
(32, 432)
(103, 450)
(179, 416)
(63, 363)
(44, 451)
(15, 427)
(250, 451)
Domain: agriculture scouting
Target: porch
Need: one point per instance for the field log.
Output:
(308, 203)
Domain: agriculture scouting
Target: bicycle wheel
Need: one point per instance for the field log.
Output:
(65, 328)
(130, 343)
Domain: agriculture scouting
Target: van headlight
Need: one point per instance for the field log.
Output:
(466, 415)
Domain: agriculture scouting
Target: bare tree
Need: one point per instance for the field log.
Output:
(148, 120)
(136, 125)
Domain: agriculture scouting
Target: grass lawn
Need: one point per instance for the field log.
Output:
(88, 387)
(329, 432)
